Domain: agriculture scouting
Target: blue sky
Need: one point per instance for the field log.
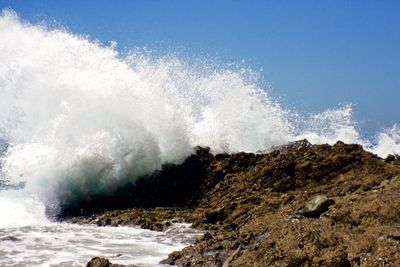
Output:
(316, 54)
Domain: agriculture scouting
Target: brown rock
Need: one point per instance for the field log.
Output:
(101, 262)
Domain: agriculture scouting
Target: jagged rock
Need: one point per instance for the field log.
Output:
(316, 206)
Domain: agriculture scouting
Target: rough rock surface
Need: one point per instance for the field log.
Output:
(254, 209)
(102, 262)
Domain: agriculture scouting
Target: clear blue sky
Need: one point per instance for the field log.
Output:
(316, 54)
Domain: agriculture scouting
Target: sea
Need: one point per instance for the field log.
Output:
(78, 120)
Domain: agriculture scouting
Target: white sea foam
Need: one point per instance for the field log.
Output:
(18, 210)
(62, 244)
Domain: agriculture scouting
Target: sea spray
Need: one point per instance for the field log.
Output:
(330, 126)
(81, 121)
(388, 142)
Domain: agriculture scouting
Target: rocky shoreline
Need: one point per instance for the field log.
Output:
(299, 205)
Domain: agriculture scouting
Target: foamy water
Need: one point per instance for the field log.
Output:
(29, 238)
(61, 244)
(78, 120)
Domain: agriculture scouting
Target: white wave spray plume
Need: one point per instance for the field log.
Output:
(388, 142)
(80, 120)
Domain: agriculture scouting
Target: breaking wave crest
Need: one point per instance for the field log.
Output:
(79, 120)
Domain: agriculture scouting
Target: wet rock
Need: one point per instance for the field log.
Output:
(9, 238)
(316, 206)
(390, 158)
(102, 262)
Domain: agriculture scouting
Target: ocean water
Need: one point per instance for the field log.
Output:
(79, 120)
(73, 245)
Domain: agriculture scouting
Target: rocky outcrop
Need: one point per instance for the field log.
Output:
(299, 205)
